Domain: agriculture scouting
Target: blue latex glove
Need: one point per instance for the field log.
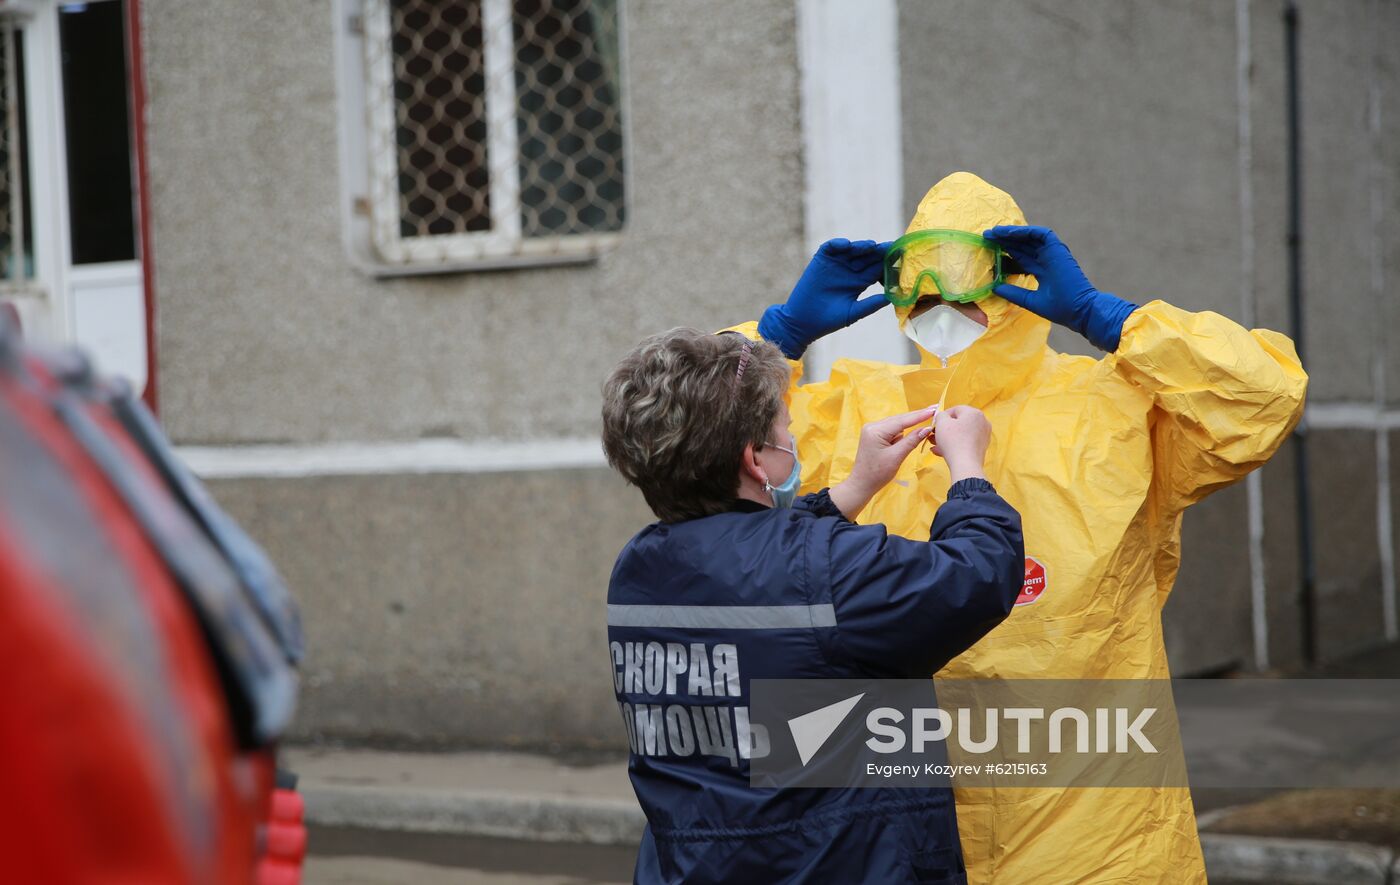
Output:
(827, 295)
(1065, 295)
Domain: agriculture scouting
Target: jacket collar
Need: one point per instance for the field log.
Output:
(744, 505)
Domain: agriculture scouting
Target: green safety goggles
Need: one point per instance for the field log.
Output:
(955, 264)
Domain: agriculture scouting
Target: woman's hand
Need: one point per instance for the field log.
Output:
(883, 447)
(961, 436)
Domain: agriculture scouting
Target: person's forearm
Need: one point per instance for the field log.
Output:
(850, 497)
(959, 471)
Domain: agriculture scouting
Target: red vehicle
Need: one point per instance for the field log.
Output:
(147, 650)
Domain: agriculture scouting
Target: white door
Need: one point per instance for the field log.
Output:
(69, 253)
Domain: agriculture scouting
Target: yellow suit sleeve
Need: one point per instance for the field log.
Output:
(1225, 397)
(815, 409)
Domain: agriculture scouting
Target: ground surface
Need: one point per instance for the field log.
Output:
(1371, 816)
(366, 857)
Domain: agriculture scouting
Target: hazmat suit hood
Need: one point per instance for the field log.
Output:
(1015, 339)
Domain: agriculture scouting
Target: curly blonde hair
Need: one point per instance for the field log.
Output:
(678, 411)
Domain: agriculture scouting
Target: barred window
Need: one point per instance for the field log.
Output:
(481, 133)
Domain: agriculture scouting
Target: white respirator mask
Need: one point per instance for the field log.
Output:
(943, 331)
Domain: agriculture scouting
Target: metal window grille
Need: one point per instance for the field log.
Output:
(494, 131)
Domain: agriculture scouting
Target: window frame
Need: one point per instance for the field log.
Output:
(369, 170)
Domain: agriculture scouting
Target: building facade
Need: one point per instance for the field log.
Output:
(390, 249)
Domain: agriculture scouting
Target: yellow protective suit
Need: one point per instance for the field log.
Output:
(1100, 457)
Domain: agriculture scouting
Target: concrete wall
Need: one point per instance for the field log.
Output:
(1350, 103)
(266, 332)
(451, 609)
(1153, 137)
(467, 607)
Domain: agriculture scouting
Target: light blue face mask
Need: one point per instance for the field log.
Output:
(783, 495)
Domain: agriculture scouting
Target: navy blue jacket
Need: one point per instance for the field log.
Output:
(698, 608)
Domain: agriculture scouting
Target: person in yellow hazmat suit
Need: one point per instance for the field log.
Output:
(1101, 457)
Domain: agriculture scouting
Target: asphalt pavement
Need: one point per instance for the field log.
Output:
(355, 856)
